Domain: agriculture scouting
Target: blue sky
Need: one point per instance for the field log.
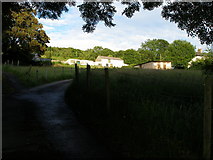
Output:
(128, 33)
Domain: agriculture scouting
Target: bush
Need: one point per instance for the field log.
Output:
(203, 64)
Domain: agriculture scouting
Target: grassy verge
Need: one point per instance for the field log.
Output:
(33, 76)
(153, 114)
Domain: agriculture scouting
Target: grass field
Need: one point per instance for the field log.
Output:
(153, 113)
(32, 76)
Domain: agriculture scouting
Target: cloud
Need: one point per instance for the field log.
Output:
(128, 33)
(50, 22)
(48, 28)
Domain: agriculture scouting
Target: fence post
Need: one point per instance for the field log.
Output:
(107, 87)
(46, 74)
(88, 76)
(37, 74)
(18, 63)
(63, 71)
(76, 73)
(207, 118)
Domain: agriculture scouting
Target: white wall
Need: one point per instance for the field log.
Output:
(157, 65)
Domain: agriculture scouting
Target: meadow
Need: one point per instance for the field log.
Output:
(31, 76)
(152, 114)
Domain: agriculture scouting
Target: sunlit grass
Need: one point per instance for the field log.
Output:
(33, 75)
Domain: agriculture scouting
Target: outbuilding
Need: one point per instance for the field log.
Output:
(155, 65)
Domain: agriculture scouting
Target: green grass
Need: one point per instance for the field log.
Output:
(153, 113)
(34, 76)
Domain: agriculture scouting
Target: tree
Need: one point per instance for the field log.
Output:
(21, 32)
(153, 50)
(131, 56)
(194, 17)
(25, 36)
(180, 52)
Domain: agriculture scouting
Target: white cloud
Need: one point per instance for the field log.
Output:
(47, 28)
(127, 34)
(50, 22)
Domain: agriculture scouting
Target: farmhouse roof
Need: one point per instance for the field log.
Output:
(152, 61)
(105, 57)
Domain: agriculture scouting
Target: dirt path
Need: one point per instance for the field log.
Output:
(37, 122)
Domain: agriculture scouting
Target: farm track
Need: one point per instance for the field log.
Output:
(38, 124)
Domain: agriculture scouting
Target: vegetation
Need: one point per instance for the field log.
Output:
(154, 48)
(189, 16)
(153, 113)
(206, 63)
(179, 52)
(34, 76)
(24, 37)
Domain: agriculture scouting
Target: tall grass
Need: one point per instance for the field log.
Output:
(153, 113)
(32, 76)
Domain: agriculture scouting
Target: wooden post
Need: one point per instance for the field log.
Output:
(207, 118)
(54, 73)
(107, 87)
(18, 63)
(37, 75)
(76, 73)
(88, 76)
(63, 71)
(46, 74)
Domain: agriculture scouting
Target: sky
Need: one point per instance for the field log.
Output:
(128, 33)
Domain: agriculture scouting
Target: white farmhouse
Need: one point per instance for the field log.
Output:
(100, 61)
(155, 65)
(78, 61)
(110, 62)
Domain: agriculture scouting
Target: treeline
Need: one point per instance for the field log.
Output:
(180, 52)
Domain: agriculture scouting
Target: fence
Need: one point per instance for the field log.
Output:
(206, 112)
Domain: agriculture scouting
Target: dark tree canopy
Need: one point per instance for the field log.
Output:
(196, 18)
(193, 17)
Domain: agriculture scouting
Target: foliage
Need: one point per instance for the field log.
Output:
(205, 63)
(93, 12)
(202, 64)
(131, 56)
(180, 52)
(24, 37)
(153, 50)
(153, 114)
(195, 18)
